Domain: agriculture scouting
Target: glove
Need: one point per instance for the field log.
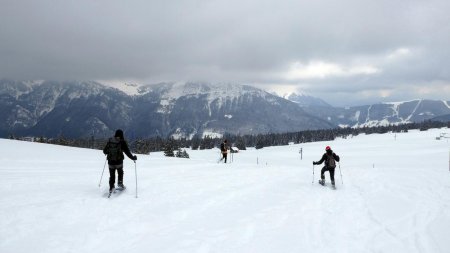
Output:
(134, 158)
(314, 163)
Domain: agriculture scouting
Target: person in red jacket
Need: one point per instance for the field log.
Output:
(114, 150)
(330, 159)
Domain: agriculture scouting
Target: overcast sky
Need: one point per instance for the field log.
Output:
(347, 52)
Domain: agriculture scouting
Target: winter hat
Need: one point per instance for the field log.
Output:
(119, 133)
(328, 148)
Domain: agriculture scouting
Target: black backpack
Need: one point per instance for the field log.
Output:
(114, 150)
(331, 161)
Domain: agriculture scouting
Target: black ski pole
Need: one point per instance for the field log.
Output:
(99, 183)
(340, 173)
(313, 176)
(135, 173)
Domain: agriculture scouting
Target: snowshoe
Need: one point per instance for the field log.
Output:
(121, 187)
(333, 186)
(111, 191)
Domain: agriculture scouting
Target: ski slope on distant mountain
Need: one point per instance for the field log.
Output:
(394, 197)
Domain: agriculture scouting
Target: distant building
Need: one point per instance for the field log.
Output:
(234, 150)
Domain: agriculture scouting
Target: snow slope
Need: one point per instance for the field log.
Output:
(394, 197)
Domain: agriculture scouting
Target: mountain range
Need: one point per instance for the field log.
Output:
(83, 109)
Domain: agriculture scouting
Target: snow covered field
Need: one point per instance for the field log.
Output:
(395, 197)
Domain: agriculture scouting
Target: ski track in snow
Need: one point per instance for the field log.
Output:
(446, 104)
(394, 198)
(414, 111)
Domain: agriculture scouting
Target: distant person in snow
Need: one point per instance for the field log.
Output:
(114, 150)
(330, 159)
(224, 150)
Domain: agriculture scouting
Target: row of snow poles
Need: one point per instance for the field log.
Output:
(135, 173)
(340, 172)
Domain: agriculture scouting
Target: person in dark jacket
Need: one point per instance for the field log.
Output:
(330, 159)
(224, 150)
(114, 150)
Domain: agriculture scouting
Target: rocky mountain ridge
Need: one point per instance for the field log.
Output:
(81, 109)
(183, 110)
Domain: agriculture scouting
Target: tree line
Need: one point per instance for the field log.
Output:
(177, 147)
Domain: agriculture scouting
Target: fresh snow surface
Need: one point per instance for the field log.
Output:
(394, 197)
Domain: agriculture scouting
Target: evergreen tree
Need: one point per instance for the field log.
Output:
(195, 142)
(259, 143)
(169, 148)
(182, 154)
(240, 143)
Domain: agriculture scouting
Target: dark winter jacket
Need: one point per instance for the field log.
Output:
(325, 158)
(223, 147)
(124, 147)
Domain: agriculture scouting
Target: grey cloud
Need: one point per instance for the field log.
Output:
(249, 42)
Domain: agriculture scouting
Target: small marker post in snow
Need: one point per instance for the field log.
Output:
(135, 173)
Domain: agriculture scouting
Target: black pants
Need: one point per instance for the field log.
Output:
(224, 156)
(112, 174)
(331, 170)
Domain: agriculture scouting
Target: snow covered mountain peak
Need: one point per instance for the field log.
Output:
(306, 100)
(175, 90)
(295, 94)
(129, 88)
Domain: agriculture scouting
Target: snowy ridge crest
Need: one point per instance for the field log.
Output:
(214, 91)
